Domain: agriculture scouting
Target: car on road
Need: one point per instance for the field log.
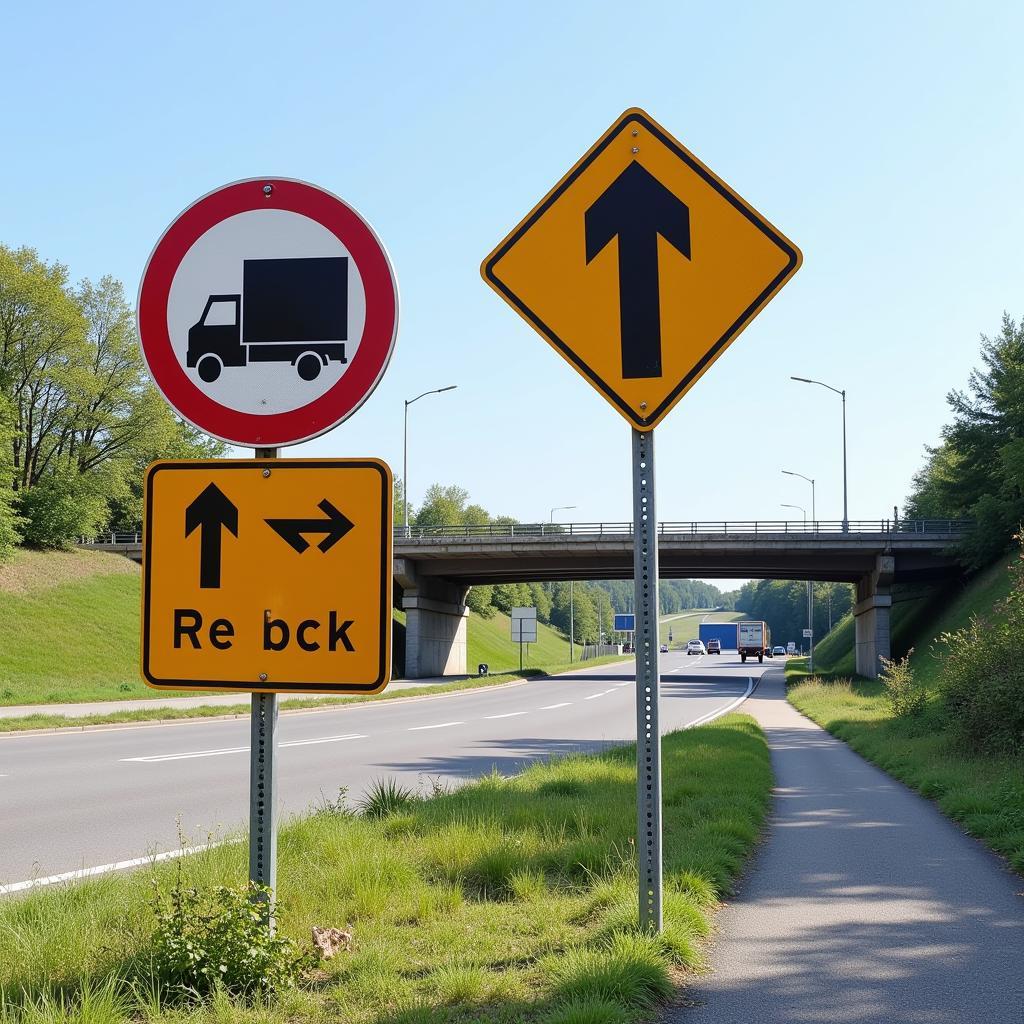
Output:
(776, 651)
(663, 648)
(695, 647)
(715, 647)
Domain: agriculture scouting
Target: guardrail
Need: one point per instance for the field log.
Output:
(750, 527)
(872, 527)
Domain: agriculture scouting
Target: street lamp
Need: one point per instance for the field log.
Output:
(563, 508)
(799, 508)
(842, 394)
(810, 586)
(810, 480)
(405, 452)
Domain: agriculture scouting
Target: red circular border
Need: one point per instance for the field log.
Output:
(366, 367)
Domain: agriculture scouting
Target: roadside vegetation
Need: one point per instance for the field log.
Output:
(507, 900)
(947, 717)
(71, 634)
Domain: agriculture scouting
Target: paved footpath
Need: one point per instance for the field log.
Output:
(863, 905)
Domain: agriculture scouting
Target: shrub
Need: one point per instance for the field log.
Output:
(905, 697)
(206, 940)
(982, 676)
(387, 797)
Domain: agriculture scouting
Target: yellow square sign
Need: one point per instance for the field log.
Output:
(268, 575)
(641, 267)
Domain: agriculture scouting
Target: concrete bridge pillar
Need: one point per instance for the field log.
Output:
(871, 617)
(435, 623)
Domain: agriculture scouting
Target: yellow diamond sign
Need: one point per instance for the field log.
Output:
(640, 267)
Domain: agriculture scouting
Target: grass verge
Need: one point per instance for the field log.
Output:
(42, 720)
(508, 901)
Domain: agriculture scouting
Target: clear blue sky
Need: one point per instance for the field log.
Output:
(885, 139)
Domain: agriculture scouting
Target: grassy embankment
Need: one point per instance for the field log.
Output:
(686, 625)
(509, 900)
(984, 794)
(71, 629)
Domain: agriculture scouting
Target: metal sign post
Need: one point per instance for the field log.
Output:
(641, 341)
(263, 783)
(648, 731)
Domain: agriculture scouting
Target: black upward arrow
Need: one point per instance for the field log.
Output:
(638, 208)
(334, 527)
(211, 512)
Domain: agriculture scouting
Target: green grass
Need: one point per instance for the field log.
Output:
(984, 794)
(508, 901)
(490, 641)
(915, 623)
(77, 641)
(71, 634)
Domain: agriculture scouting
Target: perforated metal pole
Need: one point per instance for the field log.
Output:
(263, 782)
(648, 731)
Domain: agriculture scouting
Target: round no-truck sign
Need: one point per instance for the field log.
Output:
(267, 312)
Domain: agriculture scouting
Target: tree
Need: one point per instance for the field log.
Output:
(978, 469)
(481, 600)
(10, 521)
(85, 417)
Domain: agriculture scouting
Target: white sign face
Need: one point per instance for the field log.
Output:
(267, 312)
(524, 625)
(808, 632)
(236, 259)
(524, 631)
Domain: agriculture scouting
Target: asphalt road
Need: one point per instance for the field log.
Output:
(864, 905)
(82, 799)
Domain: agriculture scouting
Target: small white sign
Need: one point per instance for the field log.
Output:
(808, 632)
(524, 625)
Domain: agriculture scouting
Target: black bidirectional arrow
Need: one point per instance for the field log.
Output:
(637, 208)
(212, 512)
(334, 527)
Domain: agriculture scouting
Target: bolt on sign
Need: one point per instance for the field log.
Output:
(640, 267)
(268, 576)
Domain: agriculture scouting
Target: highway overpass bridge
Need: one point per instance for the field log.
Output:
(436, 565)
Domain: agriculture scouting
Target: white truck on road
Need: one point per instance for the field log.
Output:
(753, 640)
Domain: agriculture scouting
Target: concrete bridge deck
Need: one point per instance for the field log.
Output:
(434, 567)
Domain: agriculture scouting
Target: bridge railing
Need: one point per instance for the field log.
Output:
(111, 538)
(873, 527)
(752, 527)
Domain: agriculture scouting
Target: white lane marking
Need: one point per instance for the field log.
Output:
(102, 869)
(439, 725)
(594, 696)
(551, 707)
(617, 685)
(154, 758)
(325, 739)
(711, 715)
(510, 714)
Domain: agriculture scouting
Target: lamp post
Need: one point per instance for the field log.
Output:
(799, 508)
(810, 585)
(405, 452)
(551, 519)
(842, 394)
(810, 625)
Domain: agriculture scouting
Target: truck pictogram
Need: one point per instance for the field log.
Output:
(290, 311)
